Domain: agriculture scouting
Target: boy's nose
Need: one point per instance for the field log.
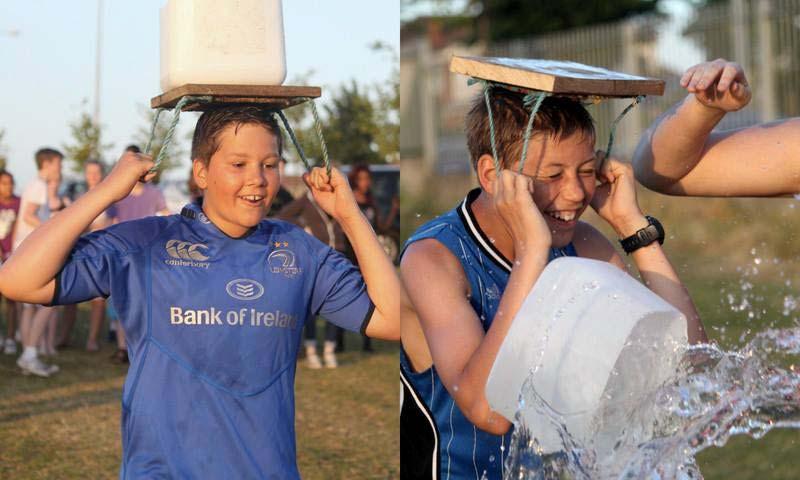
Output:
(257, 177)
(573, 190)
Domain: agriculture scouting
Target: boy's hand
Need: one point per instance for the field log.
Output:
(615, 197)
(720, 84)
(513, 200)
(130, 168)
(332, 193)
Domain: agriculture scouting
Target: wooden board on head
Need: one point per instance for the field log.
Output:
(268, 96)
(556, 77)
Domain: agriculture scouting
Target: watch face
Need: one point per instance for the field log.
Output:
(648, 235)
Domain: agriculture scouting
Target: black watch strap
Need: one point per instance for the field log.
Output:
(644, 237)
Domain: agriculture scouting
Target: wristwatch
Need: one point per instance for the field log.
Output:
(644, 237)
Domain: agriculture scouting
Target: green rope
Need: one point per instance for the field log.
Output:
(613, 131)
(296, 143)
(318, 128)
(153, 131)
(486, 87)
(176, 113)
(533, 100)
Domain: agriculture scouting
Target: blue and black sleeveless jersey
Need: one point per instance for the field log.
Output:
(213, 326)
(436, 439)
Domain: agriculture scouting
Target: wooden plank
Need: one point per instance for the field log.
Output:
(268, 96)
(555, 76)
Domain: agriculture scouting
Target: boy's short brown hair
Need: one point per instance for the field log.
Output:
(45, 155)
(558, 117)
(205, 141)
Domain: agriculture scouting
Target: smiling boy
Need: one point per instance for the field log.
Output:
(213, 300)
(468, 271)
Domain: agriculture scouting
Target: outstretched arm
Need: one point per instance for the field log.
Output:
(29, 274)
(679, 154)
(385, 290)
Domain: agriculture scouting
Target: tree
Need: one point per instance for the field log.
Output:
(174, 152)
(510, 19)
(350, 131)
(387, 107)
(86, 146)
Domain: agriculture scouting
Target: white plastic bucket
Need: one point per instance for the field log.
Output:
(235, 42)
(592, 339)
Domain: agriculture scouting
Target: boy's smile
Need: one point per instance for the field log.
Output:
(564, 181)
(241, 178)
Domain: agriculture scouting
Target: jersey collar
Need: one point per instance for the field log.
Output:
(194, 212)
(479, 236)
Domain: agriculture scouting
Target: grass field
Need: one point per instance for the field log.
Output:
(67, 426)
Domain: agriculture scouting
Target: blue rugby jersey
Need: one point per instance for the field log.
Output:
(436, 439)
(213, 326)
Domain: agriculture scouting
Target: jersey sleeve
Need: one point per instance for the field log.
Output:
(340, 294)
(89, 268)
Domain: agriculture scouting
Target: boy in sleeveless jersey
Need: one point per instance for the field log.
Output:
(468, 271)
(213, 300)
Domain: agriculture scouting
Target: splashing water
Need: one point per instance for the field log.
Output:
(715, 394)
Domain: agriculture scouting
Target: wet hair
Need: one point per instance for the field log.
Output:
(558, 117)
(45, 155)
(205, 141)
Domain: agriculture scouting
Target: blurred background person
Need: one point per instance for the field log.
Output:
(38, 202)
(93, 172)
(305, 213)
(361, 183)
(9, 210)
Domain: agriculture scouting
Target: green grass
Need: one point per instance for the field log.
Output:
(67, 426)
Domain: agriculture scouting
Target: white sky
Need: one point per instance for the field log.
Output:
(49, 68)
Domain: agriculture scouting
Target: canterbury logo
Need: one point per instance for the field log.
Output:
(186, 250)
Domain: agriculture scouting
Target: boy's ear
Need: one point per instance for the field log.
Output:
(486, 173)
(200, 172)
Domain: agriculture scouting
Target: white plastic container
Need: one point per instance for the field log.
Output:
(233, 42)
(593, 340)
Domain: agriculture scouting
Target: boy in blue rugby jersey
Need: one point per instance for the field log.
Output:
(213, 300)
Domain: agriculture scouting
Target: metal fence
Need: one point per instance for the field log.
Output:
(762, 35)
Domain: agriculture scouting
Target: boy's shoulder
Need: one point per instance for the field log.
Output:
(126, 237)
(449, 222)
